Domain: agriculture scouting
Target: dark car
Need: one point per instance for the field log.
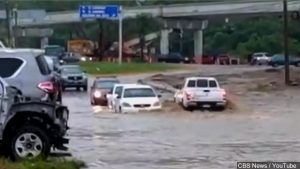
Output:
(174, 58)
(100, 88)
(71, 58)
(73, 76)
(279, 60)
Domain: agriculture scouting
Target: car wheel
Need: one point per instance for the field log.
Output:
(92, 102)
(186, 107)
(120, 110)
(29, 142)
(85, 88)
(297, 64)
(63, 88)
(78, 88)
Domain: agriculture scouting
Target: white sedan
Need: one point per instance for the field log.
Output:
(135, 98)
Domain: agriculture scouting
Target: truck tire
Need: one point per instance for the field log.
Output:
(29, 141)
(85, 88)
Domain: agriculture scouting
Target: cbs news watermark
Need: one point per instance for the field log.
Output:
(268, 165)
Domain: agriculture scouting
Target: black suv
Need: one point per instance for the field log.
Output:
(29, 129)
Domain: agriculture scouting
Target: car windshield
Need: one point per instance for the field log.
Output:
(107, 84)
(54, 51)
(139, 92)
(72, 70)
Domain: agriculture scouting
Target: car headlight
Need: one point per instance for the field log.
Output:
(83, 59)
(186, 58)
(97, 94)
(65, 77)
(156, 104)
(125, 104)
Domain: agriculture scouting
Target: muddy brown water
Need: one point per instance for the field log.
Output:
(190, 141)
(264, 128)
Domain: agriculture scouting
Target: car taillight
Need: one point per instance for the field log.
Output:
(46, 86)
(188, 95)
(224, 95)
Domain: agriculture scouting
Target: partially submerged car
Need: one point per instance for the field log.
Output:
(135, 98)
(201, 92)
(29, 129)
(101, 88)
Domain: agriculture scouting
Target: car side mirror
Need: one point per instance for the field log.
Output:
(159, 96)
(118, 97)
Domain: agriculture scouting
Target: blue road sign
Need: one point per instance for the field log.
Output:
(93, 12)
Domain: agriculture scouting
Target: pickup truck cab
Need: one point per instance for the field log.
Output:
(201, 92)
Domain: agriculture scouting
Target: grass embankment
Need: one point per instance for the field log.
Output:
(42, 164)
(98, 68)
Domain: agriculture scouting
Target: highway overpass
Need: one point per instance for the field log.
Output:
(195, 10)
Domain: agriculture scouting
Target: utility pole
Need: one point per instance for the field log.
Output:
(286, 43)
(8, 24)
(15, 12)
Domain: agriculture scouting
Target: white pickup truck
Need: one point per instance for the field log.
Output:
(201, 92)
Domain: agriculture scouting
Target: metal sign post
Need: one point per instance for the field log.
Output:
(120, 35)
(112, 12)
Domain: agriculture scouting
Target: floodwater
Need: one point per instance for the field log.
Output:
(198, 140)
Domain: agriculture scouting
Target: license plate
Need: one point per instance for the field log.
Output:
(206, 106)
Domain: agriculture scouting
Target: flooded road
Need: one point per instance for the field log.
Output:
(184, 141)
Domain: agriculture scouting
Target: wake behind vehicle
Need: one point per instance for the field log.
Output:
(135, 98)
(201, 92)
(101, 88)
(29, 129)
(279, 60)
(73, 76)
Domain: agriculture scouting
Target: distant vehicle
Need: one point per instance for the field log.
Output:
(112, 97)
(206, 59)
(174, 58)
(101, 87)
(201, 92)
(261, 58)
(135, 98)
(54, 50)
(279, 60)
(71, 58)
(223, 59)
(28, 70)
(73, 76)
(25, 134)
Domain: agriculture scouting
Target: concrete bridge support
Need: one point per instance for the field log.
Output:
(164, 41)
(198, 43)
(195, 25)
(44, 42)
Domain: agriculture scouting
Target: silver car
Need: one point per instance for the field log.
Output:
(27, 70)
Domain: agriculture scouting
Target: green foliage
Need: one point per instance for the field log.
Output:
(41, 164)
(98, 68)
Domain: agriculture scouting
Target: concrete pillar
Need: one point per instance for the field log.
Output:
(164, 42)
(44, 41)
(198, 43)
